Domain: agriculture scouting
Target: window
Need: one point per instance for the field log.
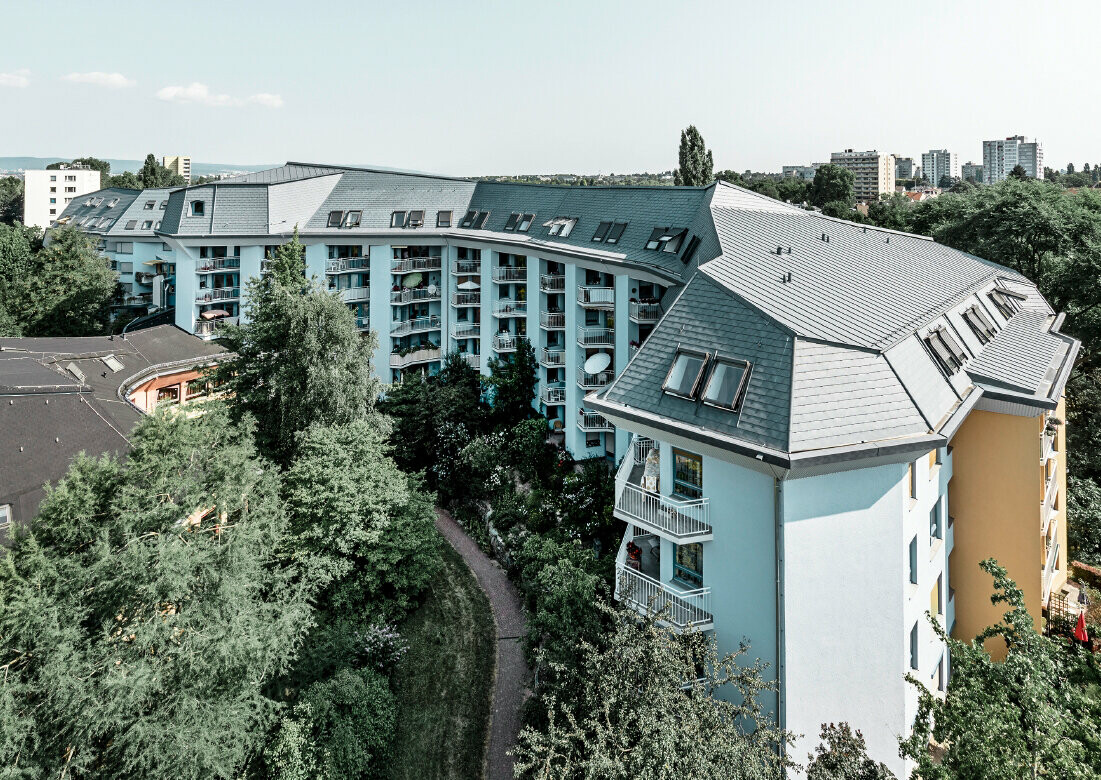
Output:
(602, 231)
(911, 474)
(168, 395)
(980, 324)
(198, 208)
(131, 224)
(525, 223)
(53, 178)
(684, 374)
(938, 674)
(53, 200)
(561, 226)
(513, 220)
(946, 351)
(5, 517)
(687, 474)
(615, 233)
(666, 239)
(936, 525)
(1007, 302)
(147, 224)
(351, 219)
(468, 220)
(110, 204)
(688, 564)
(726, 387)
(914, 647)
(164, 205)
(397, 219)
(53, 189)
(70, 178)
(53, 211)
(335, 218)
(913, 561)
(416, 218)
(165, 247)
(934, 597)
(480, 220)
(149, 204)
(443, 219)
(70, 189)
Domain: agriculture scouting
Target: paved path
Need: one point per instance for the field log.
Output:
(511, 686)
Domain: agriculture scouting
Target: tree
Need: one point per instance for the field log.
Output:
(695, 162)
(1018, 172)
(946, 182)
(11, 200)
(127, 180)
(639, 719)
(1034, 714)
(843, 755)
(840, 209)
(1070, 167)
(831, 183)
(102, 166)
(1084, 520)
(153, 174)
(891, 211)
(512, 384)
(142, 614)
(298, 361)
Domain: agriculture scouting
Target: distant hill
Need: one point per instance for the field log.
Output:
(12, 164)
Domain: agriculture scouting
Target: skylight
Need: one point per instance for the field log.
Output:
(726, 387)
(416, 218)
(131, 224)
(112, 363)
(443, 219)
(601, 231)
(114, 202)
(609, 232)
(397, 219)
(684, 374)
(149, 204)
(164, 205)
(468, 220)
(480, 220)
(335, 218)
(980, 324)
(512, 221)
(1006, 301)
(666, 239)
(147, 224)
(561, 226)
(947, 352)
(351, 219)
(525, 223)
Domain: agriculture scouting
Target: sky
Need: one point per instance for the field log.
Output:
(585, 87)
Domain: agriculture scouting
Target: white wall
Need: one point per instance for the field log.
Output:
(37, 195)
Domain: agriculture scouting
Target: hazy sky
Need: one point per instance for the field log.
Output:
(489, 88)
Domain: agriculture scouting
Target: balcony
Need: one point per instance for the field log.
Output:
(209, 295)
(595, 337)
(590, 381)
(639, 587)
(363, 323)
(591, 422)
(644, 313)
(466, 330)
(472, 360)
(355, 294)
(552, 357)
(1049, 569)
(347, 264)
(552, 320)
(1051, 488)
(509, 308)
(410, 264)
(208, 329)
(144, 277)
(417, 325)
(461, 299)
(552, 283)
(678, 520)
(553, 394)
(596, 297)
(506, 342)
(209, 265)
(466, 267)
(507, 274)
(424, 355)
(420, 295)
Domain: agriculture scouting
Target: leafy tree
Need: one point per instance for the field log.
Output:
(1018, 172)
(11, 200)
(142, 613)
(512, 383)
(831, 183)
(640, 720)
(1084, 520)
(843, 755)
(102, 166)
(794, 189)
(1034, 714)
(891, 211)
(946, 182)
(153, 174)
(1070, 168)
(695, 162)
(840, 209)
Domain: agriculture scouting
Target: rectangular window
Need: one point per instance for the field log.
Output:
(602, 231)
(53, 200)
(684, 374)
(416, 218)
(655, 238)
(947, 352)
(149, 204)
(70, 178)
(934, 598)
(561, 226)
(198, 208)
(5, 517)
(688, 564)
(525, 223)
(397, 219)
(674, 240)
(911, 476)
(70, 189)
(147, 224)
(913, 561)
(168, 395)
(687, 474)
(131, 224)
(936, 524)
(914, 647)
(443, 219)
(164, 205)
(480, 220)
(980, 324)
(53, 189)
(512, 221)
(53, 178)
(335, 218)
(727, 385)
(351, 219)
(468, 220)
(615, 233)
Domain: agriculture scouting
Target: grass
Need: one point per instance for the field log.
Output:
(444, 682)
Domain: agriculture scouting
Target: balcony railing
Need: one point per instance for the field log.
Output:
(417, 264)
(644, 312)
(507, 308)
(416, 325)
(345, 264)
(1047, 447)
(1049, 569)
(355, 294)
(209, 295)
(466, 330)
(506, 342)
(466, 267)
(552, 357)
(591, 422)
(209, 265)
(426, 355)
(595, 337)
(589, 381)
(552, 320)
(507, 273)
(466, 299)
(210, 328)
(553, 394)
(678, 520)
(472, 360)
(596, 297)
(363, 323)
(681, 608)
(552, 283)
(430, 293)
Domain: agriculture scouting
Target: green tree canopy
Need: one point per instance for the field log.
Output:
(11, 200)
(694, 158)
(843, 755)
(831, 183)
(1018, 172)
(512, 383)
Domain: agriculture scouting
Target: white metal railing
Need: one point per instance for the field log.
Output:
(472, 360)
(466, 330)
(466, 267)
(553, 394)
(552, 283)
(595, 337)
(217, 294)
(466, 299)
(672, 518)
(417, 264)
(345, 264)
(1050, 489)
(363, 323)
(1047, 447)
(431, 293)
(682, 608)
(552, 320)
(1049, 569)
(416, 325)
(419, 356)
(597, 297)
(506, 342)
(208, 265)
(644, 312)
(210, 327)
(508, 308)
(599, 379)
(552, 357)
(640, 448)
(591, 421)
(355, 294)
(508, 273)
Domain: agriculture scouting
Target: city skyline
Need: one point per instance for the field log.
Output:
(455, 93)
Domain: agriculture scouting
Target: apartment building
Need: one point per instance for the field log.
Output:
(46, 194)
(970, 170)
(796, 403)
(179, 165)
(1000, 157)
(804, 172)
(905, 168)
(874, 172)
(938, 163)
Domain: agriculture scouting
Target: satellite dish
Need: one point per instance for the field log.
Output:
(597, 363)
(469, 285)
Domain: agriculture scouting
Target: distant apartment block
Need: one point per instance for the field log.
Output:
(178, 165)
(938, 163)
(905, 168)
(874, 172)
(805, 172)
(970, 170)
(1000, 157)
(47, 193)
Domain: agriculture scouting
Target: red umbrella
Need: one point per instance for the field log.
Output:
(1080, 629)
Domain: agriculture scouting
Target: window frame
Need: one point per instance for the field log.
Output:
(601, 231)
(441, 221)
(399, 219)
(147, 224)
(352, 218)
(739, 392)
(5, 517)
(480, 220)
(694, 576)
(526, 220)
(704, 357)
(677, 482)
(415, 218)
(197, 208)
(512, 221)
(468, 220)
(131, 224)
(616, 233)
(980, 324)
(149, 204)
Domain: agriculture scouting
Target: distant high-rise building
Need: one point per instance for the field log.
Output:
(805, 172)
(180, 165)
(970, 170)
(904, 167)
(874, 171)
(47, 193)
(1000, 157)
(938, 163)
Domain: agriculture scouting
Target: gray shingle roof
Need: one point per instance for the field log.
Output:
(1024, 357)
(88, 218)
(136, 212)
(377, 194)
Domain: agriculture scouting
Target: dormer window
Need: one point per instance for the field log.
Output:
(684, 375)
(351, 218)
(946, 351)
(397, 219)
(727, 385)
(561, 226)
(335, 218)
(198, 208)
(980, 324)
(443, 219)
(1007, 302)
(416, 218)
